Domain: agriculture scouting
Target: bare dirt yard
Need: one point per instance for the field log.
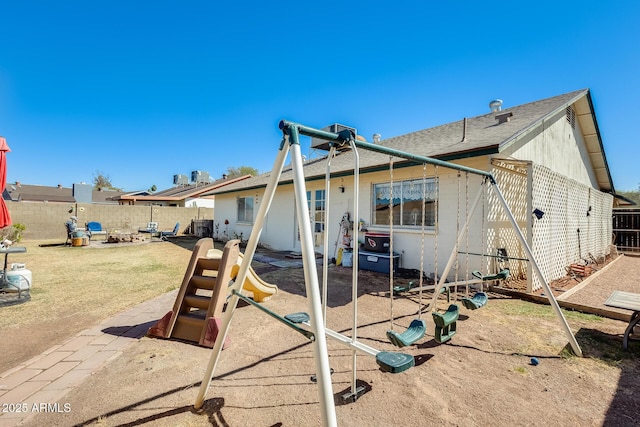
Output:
(483, 376)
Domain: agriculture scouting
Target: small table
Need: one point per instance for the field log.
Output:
(628, 301)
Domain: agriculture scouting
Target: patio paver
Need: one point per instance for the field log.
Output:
(44, 380)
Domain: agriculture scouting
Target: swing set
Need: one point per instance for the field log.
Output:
(315, 320)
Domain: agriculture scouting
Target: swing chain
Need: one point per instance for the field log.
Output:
(391, 237)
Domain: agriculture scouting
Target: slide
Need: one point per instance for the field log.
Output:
(261, 290)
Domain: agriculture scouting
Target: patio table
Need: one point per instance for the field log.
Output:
(628, 301)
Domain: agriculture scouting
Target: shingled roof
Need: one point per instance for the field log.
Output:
(183, 192)
(484, 135)
(19, 192)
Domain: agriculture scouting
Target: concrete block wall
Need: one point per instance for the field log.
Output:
(46, 220)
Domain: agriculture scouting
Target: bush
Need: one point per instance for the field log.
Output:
(13, 233)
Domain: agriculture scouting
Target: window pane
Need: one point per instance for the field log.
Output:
(241, 209)
(381, 204)
(407, 207)
(245, 209)
(248, 209)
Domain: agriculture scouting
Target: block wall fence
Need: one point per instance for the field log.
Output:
(46, 220)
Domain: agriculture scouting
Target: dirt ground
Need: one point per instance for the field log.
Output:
(483, 376)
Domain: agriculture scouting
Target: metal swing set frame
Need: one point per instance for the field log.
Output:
(316, 305)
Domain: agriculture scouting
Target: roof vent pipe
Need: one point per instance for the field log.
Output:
(464, 130)
(495, 105)
(376, 138)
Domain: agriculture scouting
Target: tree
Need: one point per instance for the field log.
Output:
(631, 195)
(152, 189)
(240, 171)
(100, 180)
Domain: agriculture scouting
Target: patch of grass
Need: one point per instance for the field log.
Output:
(521, 370)
(530, 309)
(567, 353)
(98, 282)
(605, 347)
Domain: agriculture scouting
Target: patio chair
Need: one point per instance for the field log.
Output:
(152, 227)
(173, 233)
(95, 229)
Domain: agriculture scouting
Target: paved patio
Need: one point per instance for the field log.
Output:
(40, 382)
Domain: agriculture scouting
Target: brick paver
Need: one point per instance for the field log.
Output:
(45, 379)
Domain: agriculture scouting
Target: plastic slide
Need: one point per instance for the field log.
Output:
(261, 290)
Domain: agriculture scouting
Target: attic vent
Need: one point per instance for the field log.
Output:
(571, 116)
(504, 117)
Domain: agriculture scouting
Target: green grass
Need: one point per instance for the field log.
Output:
(521, 370)
(95, 282)
(529, 309)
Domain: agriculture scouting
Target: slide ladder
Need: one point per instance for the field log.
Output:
(197, 311)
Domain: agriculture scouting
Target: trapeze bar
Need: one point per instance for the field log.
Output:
(444, 285)
(286, 126)
(350, 343)
(287, 322)
(494, 256)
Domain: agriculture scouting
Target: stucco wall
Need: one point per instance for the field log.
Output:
(46, 220)
(280, 230)
(559, 147)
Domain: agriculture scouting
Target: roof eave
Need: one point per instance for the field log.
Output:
(483, 151)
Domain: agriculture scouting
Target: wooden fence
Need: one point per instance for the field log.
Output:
(626, 229)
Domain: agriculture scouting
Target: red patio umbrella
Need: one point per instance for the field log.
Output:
(5, 219)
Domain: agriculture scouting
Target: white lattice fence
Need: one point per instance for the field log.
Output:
(576, 223)
(513, 184)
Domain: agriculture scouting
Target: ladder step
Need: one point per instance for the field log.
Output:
(203, 282)
(209, 263)
(197, 301)
(188, 327)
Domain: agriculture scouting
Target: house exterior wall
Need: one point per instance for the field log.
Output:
(556, 145)
(280, 231)
(200, 202)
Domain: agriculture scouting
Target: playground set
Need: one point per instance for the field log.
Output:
(312, 323)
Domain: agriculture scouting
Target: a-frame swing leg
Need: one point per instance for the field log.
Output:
(552, 299)
(321, 357)
(232, 304)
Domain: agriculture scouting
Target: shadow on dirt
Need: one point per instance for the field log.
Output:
(624, 409)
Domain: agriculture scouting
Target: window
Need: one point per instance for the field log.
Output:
(245, 209)
(318, 214)
(407, 203)
(316, 208)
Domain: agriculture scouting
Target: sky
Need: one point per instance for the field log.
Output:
(139, 91)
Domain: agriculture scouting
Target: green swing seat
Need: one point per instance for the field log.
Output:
(503, 274)
(480, 299)
(446, 323)
(414, 332)
(394, 362)
(398, 289)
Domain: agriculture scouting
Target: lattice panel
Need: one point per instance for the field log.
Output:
(566, 234)
(513, 187)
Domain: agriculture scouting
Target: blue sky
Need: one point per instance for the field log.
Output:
(143, 90)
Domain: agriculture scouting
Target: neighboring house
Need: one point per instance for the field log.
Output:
(18, 192)
(545, 155)
(185, 195)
